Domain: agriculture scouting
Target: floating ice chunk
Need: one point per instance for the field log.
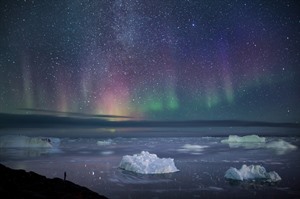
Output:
(248, 141)
(147, 163)
(107, 152)
(244, 139)
(24, 141)
(233, 174)
(55, 142)
(254, 142)
(104, 142)
(192, 148)
(252, 172)
(273, 177)
(215, 188)
(281, 147)
(247, 145)
(281, 144)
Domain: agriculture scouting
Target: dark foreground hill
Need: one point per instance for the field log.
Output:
(22, 184)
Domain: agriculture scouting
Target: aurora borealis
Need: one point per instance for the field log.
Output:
(155, 60)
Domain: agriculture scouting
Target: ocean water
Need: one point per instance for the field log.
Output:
(93, 162)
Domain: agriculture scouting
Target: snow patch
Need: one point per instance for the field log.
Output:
(8, 141)
(252, 172)
(147, 163)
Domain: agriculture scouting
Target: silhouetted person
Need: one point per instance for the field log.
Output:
(65, 175)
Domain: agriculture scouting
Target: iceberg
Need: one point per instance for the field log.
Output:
(252, 172)
(104, 142)
(147, 163)
(281, 147)
(193, 148)
(248, 141)
(8, 141)
(244, 139)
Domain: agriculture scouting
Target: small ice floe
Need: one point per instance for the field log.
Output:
(281, 147)
(55, 142)
(215, 188)
(107, 152)
(248, 141)
(252, 172)
(242, 139)
(147, 163)
(18, 141)
(104, 142)
(192, 148)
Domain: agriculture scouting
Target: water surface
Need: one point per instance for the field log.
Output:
(202, 167)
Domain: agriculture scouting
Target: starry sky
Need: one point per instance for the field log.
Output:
(154, 60)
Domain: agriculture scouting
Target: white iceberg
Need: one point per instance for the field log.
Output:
(104, 142)
(281, 147)
(8, 141)
(254, 142)
(55, 142)
(244, 139)
(193, 148)
(248, 141)
(107, 152)
(252, 172)
(147, 163)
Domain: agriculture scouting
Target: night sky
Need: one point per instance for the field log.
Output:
(154, 60)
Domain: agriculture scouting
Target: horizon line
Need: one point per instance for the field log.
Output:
(10, 120)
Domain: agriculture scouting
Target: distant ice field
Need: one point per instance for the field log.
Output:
(201, 161)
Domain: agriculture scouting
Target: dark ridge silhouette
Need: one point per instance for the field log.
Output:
(22, 184)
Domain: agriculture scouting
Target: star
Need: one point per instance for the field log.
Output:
(183, 60)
